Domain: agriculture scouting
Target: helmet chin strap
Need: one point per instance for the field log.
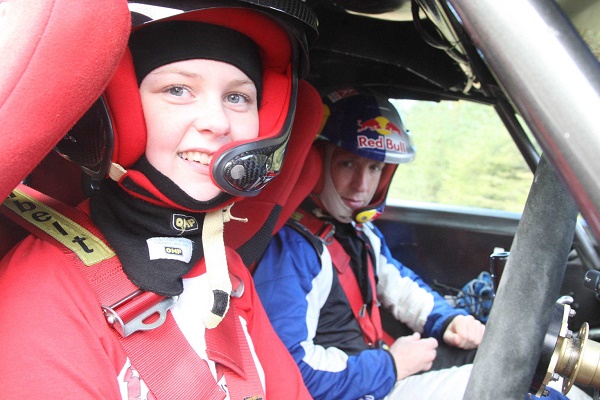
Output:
(216, 264)
(329, 197)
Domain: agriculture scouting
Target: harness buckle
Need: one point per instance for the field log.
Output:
(326, 233)
(363, 311)
(128, 315)
(238, 291)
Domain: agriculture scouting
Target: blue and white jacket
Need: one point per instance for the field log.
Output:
(310, 311)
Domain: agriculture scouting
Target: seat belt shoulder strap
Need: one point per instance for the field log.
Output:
(58, 223)
(72, 230)
(320, 233)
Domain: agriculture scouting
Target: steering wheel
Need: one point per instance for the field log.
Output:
(506, 360)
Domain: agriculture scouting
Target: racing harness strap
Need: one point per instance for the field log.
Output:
(312, 227)
(157, 354)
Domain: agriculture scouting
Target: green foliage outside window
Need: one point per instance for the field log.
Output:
(464, 157)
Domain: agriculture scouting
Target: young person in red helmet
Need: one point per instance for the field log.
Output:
(325, 274)
(142, 299)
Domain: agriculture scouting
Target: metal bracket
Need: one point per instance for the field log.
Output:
(136, 323)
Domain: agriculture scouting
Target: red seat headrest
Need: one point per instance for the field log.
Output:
(57, 57)
(310, 173)
(265, 211)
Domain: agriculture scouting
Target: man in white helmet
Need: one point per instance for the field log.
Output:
(325, 274)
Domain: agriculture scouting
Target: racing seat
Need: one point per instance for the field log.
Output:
(40, 95)
(269, 210)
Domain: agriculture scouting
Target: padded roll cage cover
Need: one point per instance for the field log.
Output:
(41, 97)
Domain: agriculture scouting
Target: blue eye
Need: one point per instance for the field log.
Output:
(177, 91)
(236, 98)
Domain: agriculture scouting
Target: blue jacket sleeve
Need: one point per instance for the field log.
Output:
(406, 295)
(293, 287)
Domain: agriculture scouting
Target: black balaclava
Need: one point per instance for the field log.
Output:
(136, 228)
(167, 42)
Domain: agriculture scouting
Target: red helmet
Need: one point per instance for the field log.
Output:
(113, 132)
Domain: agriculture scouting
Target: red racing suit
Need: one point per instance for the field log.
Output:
(56, 342)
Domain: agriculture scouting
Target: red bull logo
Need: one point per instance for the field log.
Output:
(370, 124)
(384, 127)
(392, 128)
(381, 143)
(381, 125)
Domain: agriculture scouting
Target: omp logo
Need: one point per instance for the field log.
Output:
(184, 223)
(173, 250)
(89, 248)
(170, 248)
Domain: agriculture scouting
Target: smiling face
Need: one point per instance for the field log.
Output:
(192, 108)
(355, 178)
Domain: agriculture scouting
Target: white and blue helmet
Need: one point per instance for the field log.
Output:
(364, 122)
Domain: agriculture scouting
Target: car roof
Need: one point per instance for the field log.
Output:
(410, 51)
